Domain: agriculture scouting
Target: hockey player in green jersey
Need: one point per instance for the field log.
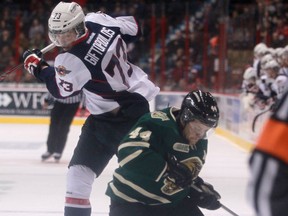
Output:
(161, 157)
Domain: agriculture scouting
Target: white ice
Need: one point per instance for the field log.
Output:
(29, 187)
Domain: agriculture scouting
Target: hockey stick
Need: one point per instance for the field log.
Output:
(228, 210)
(222, 206)
(257, 116)
(5, 73)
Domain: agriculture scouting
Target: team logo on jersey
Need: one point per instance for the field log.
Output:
(181, 147)
(160, 115)
(194, 164)
(62, 71)
(170, 188)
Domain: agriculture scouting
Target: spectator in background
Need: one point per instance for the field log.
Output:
(178, 72)
(6, 38)
(196, 48)
(38, 10)
(7, 21)
(177, 42)
(61, 118)
(37, 41)
(275, 16)
(177, 68)
(280, 35)
(169, 84)
(15, 76)
(36, 34)
(5, 55)
(119, 10)
(36, 29)
(24, 42)
(194, 81)
(27, 78)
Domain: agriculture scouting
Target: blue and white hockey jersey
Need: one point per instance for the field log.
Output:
(98, 65)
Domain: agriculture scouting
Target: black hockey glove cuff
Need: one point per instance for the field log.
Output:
(178, 173)
(205, 197)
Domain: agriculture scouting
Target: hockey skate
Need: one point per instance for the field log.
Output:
(57, 156)
(46, 156)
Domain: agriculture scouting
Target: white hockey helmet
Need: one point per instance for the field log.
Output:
(284, 57)
(278, 51)
(272, 65)
(249, 73)
(266, 58)
(66, 23)
(260, 50)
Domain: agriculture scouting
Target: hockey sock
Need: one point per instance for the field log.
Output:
(77, 207)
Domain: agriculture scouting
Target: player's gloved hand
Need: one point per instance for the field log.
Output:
(206, 197)
(33, 62)
(38, 52)
(178, 173)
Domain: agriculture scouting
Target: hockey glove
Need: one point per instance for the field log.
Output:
(178, 173)
(206, 197)
(33, 62)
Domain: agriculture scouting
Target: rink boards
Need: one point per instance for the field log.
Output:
(23, 105)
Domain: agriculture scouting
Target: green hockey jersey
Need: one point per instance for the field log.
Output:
(140, 176)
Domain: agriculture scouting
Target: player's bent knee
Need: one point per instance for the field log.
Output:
(79, 182)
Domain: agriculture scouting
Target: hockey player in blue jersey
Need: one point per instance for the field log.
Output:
(160, 160)
(94, 60)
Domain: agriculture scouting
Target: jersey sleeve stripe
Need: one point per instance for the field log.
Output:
(130, 158)
(140, 189)
(133, 144)
(120, 194)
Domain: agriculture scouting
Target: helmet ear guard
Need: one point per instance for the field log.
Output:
(186, 115)
(80, 29)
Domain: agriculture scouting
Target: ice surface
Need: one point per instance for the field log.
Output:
(29, 187)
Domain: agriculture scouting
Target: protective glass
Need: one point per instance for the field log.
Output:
(62, 39)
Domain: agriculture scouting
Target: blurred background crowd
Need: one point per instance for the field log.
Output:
(187, 45)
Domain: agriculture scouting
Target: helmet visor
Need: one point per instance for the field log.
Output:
(62, 39)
